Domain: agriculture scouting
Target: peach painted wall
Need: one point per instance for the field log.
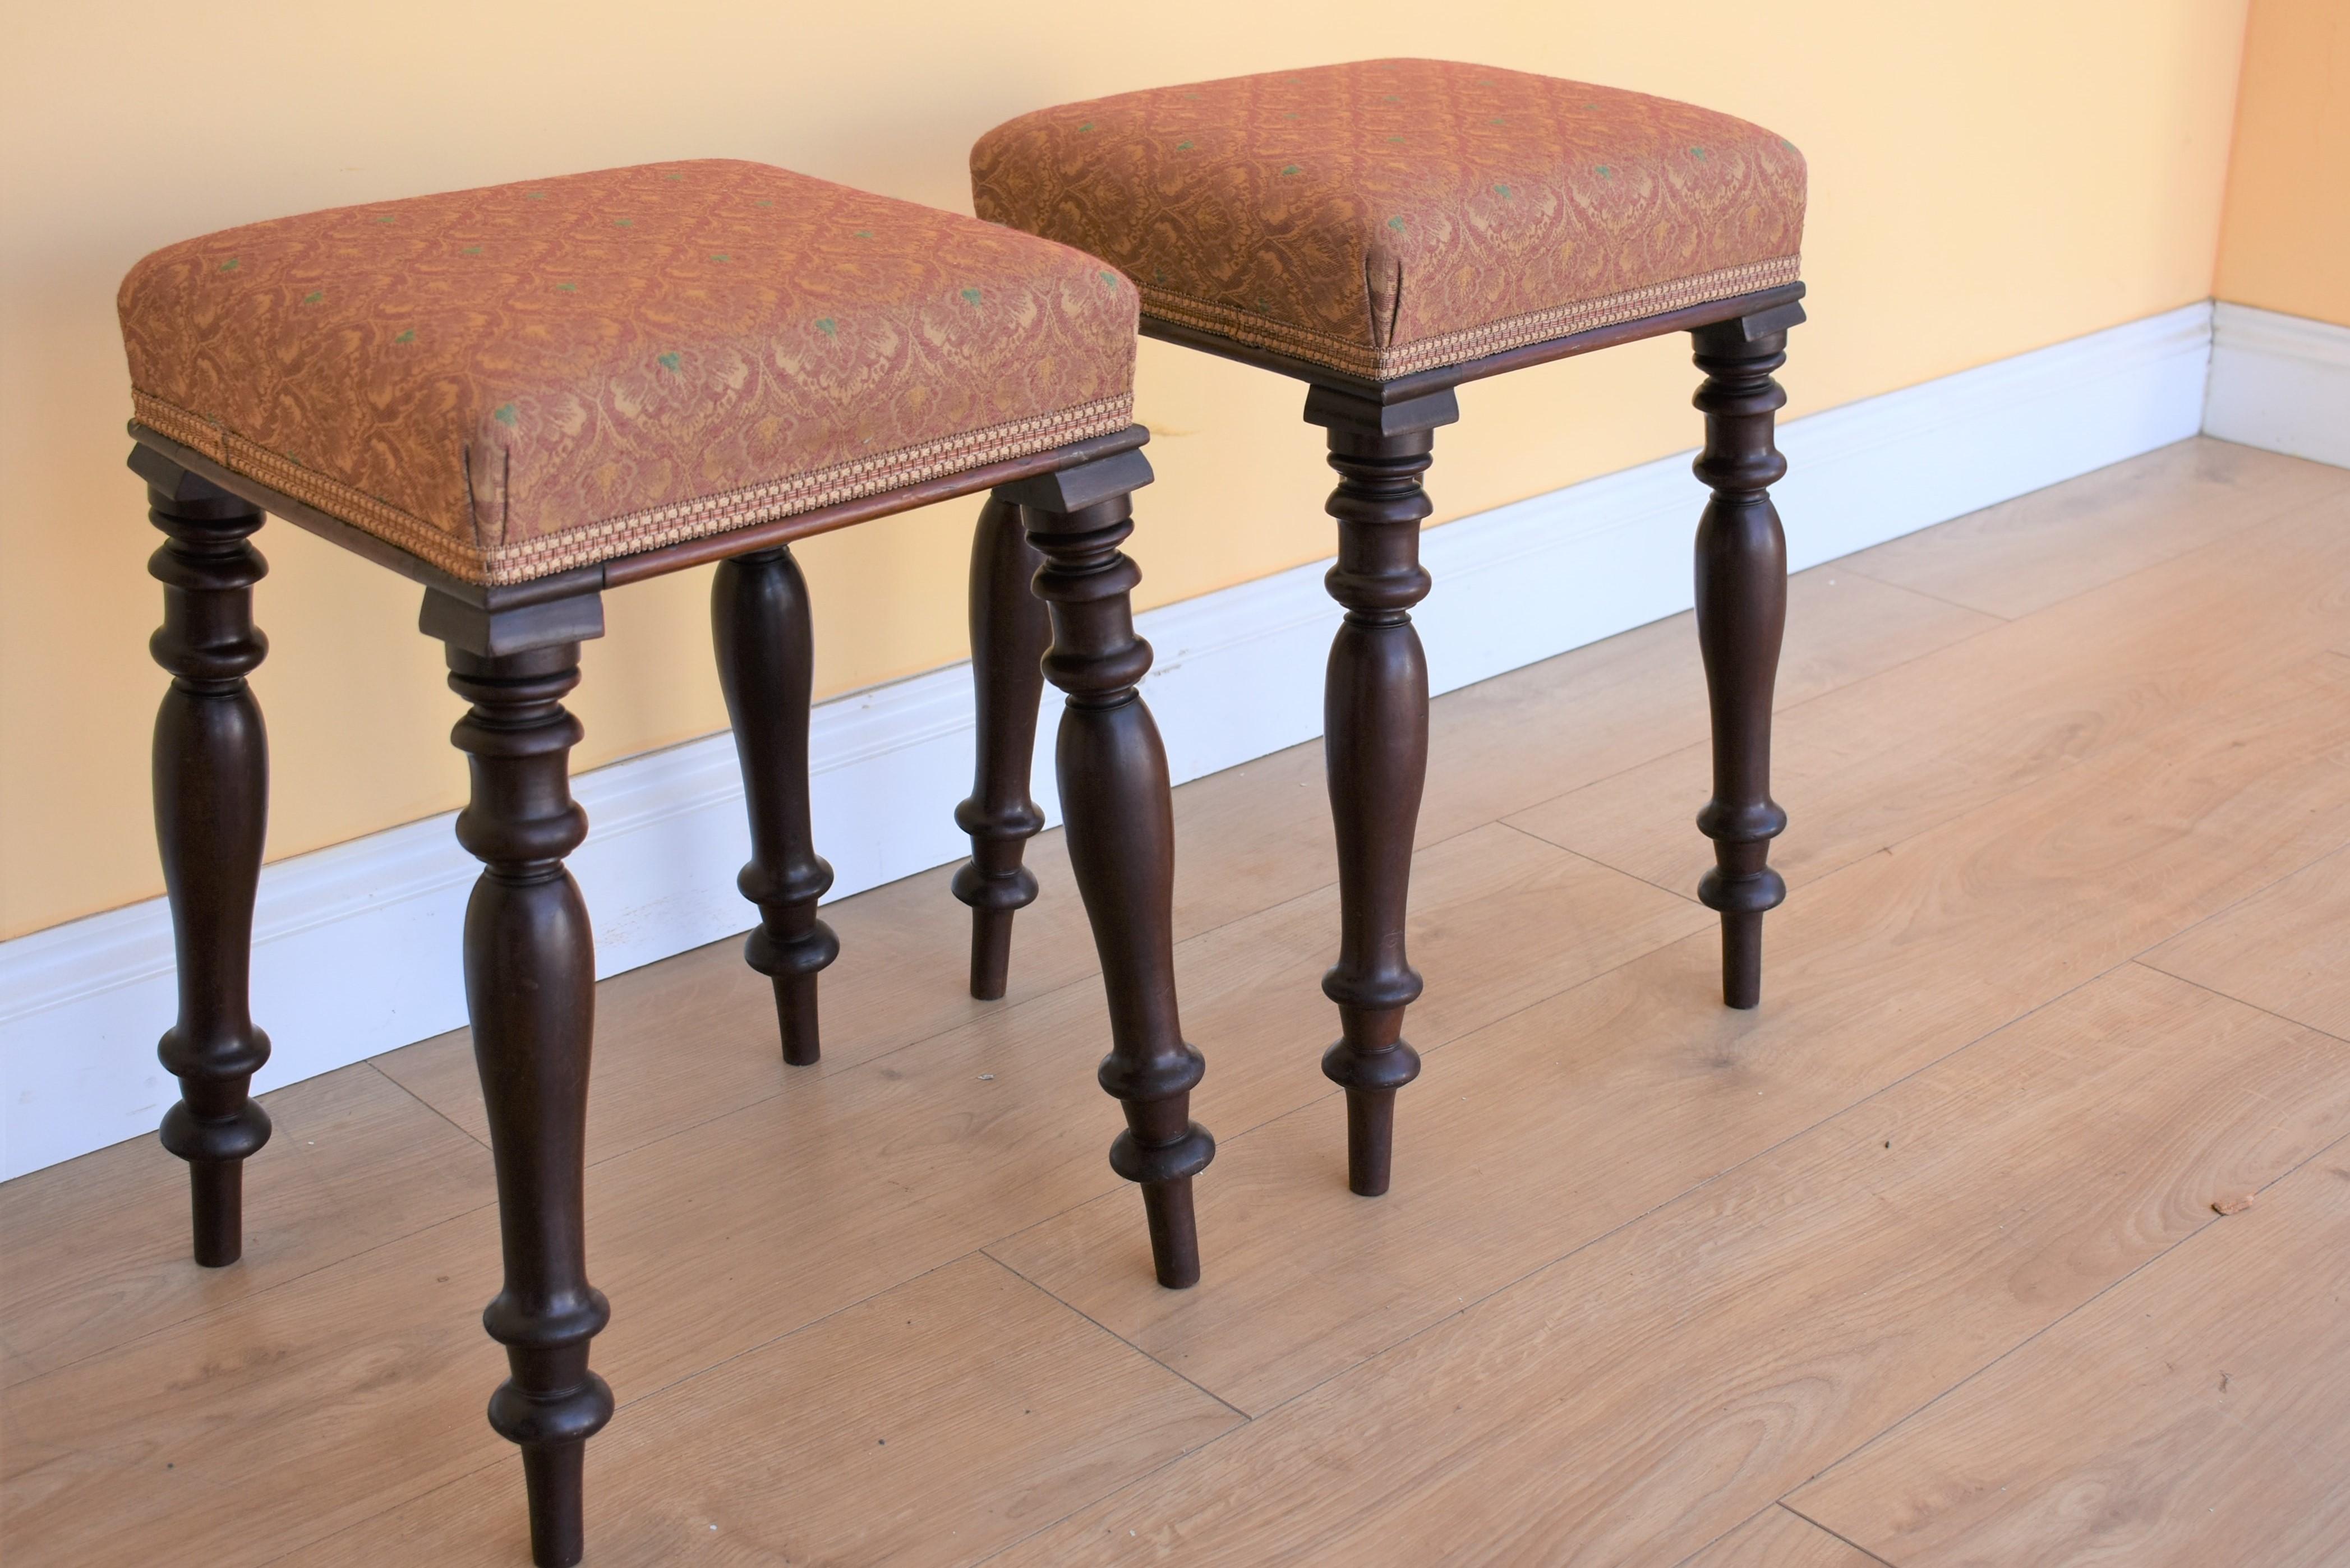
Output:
(1987, 178)
(2284, 244)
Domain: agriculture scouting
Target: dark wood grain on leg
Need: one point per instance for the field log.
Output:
(766, 667)
(212, 807)
(1010, 630)
(530, 992)
(1121, 835)
(1742, 613)
(1375, 748)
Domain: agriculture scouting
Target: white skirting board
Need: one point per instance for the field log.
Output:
(356, 946)
(2280, 382)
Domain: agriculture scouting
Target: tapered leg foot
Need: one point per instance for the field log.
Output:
(991, 953)
(217, 1194)
(212, 808)
(1742, 614)
(1121, 835)
(1371, 1141)
(1009, 630)
(1741, 959)
(1375, 747)
(1174, 1232)
(553, 1479)
(766, 667)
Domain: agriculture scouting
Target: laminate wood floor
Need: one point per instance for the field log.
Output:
(2012, 1229)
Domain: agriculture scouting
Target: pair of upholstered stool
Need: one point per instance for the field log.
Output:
(523, 395)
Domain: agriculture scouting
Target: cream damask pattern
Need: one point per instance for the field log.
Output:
(1391, 216)
(513, 381)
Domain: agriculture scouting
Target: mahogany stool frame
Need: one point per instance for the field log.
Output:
(529, 956)
(1381, 437)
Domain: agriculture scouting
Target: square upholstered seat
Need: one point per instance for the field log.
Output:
(512, 381)
(1393, 216)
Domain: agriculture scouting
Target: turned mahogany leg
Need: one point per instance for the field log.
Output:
(1009, 630)
(530, 991)
(766, 663)
(1742, 610)
(1121, 833)
(211, 803)
(1375, 745)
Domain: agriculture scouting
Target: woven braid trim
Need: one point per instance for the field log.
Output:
(1470, 343)
(498, 565)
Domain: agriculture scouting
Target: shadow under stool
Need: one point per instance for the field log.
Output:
(521, 397)
(1385, 232)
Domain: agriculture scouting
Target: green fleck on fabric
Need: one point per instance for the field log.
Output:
(624, 222)
(315, 296)
(1787, 144)
(1502, 192)
(1396, 224)
(671, 360)
(407, 336)
(824, 325)
(1605, 172)
(1396, 139)
(1109, 279)
(566, 289)
(472, 251)
(503, 413)
(1391, 98)
(763, 204)
(1183, 147)
(1086, 127)
(1293, 169)
(864, 233)
(229, 266)
(1697, 153)
(971, 295)
(720, 256)
(533, 196)
(672, 176)
(1499, 120)
(387, 219)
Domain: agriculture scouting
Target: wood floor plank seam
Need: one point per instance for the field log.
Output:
(1776, 712)
(1113, 1333)
(1684, 894)
(2061, 768)
(2208, 1227)
(268, 1290)
(1469, 1305)
(1824, 1530)
(1938, 599)
(370, 1063)
(623, 1405)
(2233, 905)
(1092, 978)
(1537, 1270)
(2207, 986)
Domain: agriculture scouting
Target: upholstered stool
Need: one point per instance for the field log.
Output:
(1385, 232)
(523, 396)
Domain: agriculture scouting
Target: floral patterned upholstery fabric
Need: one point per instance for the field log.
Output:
(1393, 216)
(513, 381)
